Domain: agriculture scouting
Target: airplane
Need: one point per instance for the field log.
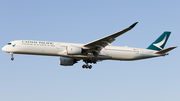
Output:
(93, 52)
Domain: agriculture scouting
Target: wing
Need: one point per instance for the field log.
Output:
(96, 46)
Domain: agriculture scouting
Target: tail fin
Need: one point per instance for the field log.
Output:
(160, 42)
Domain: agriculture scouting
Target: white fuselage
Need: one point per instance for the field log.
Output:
(60, 49)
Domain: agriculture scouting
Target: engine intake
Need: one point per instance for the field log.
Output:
(67, 61)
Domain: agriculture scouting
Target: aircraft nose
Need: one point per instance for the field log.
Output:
(4, 48)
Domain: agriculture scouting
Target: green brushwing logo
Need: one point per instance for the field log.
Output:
(14, 45)
(160, 42)
(159, 45)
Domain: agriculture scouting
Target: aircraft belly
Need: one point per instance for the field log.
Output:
(123, 55)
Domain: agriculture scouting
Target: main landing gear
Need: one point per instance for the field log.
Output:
(12, 58)
(88, 66)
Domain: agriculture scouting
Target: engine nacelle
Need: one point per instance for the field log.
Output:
(74, 50)
(67, 61)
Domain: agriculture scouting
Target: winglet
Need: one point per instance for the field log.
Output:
(134, 24)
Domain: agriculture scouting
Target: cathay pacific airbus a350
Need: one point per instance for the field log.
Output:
(101, 49)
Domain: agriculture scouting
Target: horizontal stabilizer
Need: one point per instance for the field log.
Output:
(165, 50)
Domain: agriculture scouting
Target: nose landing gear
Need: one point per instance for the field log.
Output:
(12, 58)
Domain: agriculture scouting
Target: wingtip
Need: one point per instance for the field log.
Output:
(134, 24)
(174, 47)
(167, 31)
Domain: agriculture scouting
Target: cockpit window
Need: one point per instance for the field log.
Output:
(9, 43)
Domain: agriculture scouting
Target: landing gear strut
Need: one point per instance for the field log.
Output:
(12, 58)
(88, 66)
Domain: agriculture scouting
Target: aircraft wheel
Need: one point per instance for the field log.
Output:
(90, 66)
(94, 62)
(12, 59)
(83, 66)
(86, 66)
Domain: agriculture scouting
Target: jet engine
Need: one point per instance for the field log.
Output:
(67, 61)
(74, 50)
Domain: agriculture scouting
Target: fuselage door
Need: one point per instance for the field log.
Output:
(141, 52)
(61, 49)
(19, 44)
(57, 46)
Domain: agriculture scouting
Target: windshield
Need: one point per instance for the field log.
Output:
(9, 43)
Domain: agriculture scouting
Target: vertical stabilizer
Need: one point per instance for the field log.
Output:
(160, 42)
